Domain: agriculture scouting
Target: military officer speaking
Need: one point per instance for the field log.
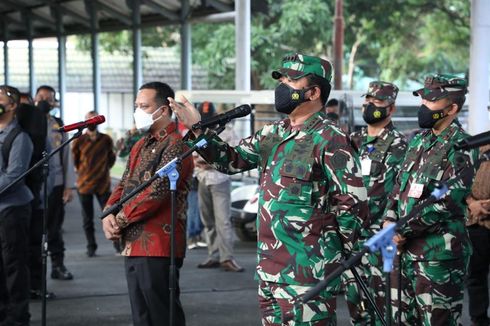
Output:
(311, 196)
(434, 244)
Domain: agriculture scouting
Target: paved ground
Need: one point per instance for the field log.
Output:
(98, 294)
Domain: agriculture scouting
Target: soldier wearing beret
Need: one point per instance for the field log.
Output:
(311, 196)
(381, 149)
(434, 244)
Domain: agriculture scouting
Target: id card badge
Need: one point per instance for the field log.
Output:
(366, 166)
(416, 190)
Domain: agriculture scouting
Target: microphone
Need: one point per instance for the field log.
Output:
(474, 141)
(97, 120)
(223, 118)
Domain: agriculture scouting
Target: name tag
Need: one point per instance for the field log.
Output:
(366, 166)
(416, 190)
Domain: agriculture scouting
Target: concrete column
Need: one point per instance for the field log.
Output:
(186, 48)
(94, 50)
(6, 74)
(137, 61)
(61, 58)
(242, 45)
(478, 118)
(243, 58)
(30, 53)
(62, 71)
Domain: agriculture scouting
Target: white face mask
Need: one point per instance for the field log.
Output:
(144, 120)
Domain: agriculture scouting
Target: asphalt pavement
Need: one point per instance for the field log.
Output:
(98, 294)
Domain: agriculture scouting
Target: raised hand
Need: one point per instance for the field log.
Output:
(187, 114)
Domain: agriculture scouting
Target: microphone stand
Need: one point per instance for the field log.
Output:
(44, 240)
(170, 171)
(383, 241)
(380, 241)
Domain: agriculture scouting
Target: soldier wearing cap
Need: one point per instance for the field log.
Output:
(381, 149)
(434, 244)
(311, 196)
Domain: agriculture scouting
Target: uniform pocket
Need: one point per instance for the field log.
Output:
(296, 182)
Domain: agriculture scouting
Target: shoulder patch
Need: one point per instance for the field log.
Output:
(339, 160)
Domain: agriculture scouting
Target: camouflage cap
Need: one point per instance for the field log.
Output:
(382, 90)
(440, 86)
(298, 65)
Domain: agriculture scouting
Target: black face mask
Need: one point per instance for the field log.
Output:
(428, 117)
(288, 98)
(373, 113)
(92, 127)
(44, 106)
(333, 116)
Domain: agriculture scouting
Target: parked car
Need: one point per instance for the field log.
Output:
(244, 208)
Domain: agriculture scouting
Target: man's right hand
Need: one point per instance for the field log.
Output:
(110, 227)
(187, 114)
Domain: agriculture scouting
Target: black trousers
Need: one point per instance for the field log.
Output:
(35, 251)
(14, 270)
(148, 284)
(56, 217)
(477, 281)
(87, 202)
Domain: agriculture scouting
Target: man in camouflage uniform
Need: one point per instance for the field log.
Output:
(434, 244)
(311, 196)
(381, 149)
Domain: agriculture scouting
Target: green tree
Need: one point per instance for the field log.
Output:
(395, 40)
(403, 40)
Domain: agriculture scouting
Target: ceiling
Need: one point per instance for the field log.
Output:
(111, 15)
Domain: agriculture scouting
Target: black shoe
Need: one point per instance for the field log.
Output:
(37, 295)
(209, 263)
(61, 273)
(91, 252)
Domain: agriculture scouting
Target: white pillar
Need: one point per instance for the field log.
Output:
(186, 48)
(478, 117)
(242, 56)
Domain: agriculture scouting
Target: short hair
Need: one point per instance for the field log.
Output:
(322, 83)
(163, 91)
(458, 100)
(28, 97)
(332, 102)
(12, 92)
(48, 88)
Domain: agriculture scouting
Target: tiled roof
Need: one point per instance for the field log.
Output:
(159, 64)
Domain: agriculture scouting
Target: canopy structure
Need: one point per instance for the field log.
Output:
(30, 19)
(24, 19)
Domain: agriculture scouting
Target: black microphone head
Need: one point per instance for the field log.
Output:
(243, 110)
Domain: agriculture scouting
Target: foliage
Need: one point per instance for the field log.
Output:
(395, 40)
(406, 39)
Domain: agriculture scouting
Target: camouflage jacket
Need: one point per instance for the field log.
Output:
(385, 152)
(439, 232)
(311, 196)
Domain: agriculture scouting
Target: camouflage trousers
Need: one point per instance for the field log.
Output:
(371, 272)
(276, 301)
(432, 292)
